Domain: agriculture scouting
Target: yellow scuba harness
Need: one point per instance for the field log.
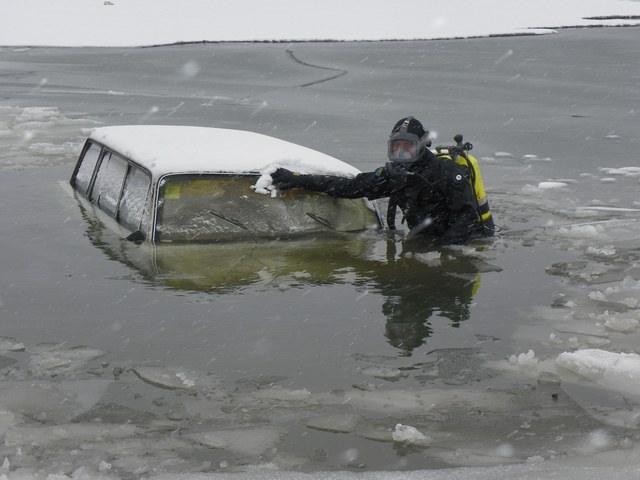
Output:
(459, 153)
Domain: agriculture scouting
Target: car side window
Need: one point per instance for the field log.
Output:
(108, 183)
(133, 203)
(87, 166)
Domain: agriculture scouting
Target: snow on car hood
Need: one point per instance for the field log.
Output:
(166, 149)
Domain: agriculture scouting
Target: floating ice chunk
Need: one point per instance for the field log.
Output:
(503, 155)
(535, 158)
(571, 342)
(176, 378)
(619, 323)
(590, 232)
(421, 401)
(604, 252)
(46, 402)
(552, 185)
(8, 344)
(628, 283)
(548, 378)
(283, 394)
(603, 208)
(42, 436)
(429, 258)
(340, 423)
(524, 360)
(56, 358)
(598, 296)
(254, 441)
(410, 435)
(385, 373)
(622, 171)
(544, 187)
(619, 371)
(104, 466)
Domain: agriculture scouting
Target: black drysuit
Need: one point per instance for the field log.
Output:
(434, 194)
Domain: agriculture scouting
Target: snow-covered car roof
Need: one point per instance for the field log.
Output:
(166, 149)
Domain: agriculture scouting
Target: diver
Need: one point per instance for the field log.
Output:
(437, 194)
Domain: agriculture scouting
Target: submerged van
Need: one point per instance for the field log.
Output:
(181, 184)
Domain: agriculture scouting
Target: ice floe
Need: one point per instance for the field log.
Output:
(410, 435)
(254, 441)
(8, 344)
(618, 371)
(622, 171)
(48, 358)
(48, 402)
(36, 132)
(172, 378)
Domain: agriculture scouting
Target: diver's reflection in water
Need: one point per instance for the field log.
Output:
(418, 283)
(421, 283)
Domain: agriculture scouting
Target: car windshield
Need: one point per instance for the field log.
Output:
(205, 208)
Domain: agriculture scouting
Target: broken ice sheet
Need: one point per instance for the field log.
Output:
(384, 373)
(283, 394)
(616, 371)
(172, 378)
(339, 423)
(47, 402)
(56, 358)
(422, 401)
(42, 436)
(621, 323)
(8, 344)
(253, 441)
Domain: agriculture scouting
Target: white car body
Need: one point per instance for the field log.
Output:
(181, 184)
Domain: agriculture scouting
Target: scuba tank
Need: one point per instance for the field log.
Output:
(459, 153)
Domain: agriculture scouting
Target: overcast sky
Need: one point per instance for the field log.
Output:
(152, 22)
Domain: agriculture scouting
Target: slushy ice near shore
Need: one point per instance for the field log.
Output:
(153, 419)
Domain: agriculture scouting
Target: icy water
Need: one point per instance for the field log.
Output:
(361, 352)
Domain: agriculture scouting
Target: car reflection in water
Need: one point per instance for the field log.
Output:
(416, 282)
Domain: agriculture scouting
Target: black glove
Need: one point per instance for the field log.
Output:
(285, 179)
(396, 175)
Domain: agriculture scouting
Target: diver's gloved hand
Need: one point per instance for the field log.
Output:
(396, 174)
(285, 179)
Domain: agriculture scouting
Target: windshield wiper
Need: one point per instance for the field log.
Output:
(232, 221)
(322, 221)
